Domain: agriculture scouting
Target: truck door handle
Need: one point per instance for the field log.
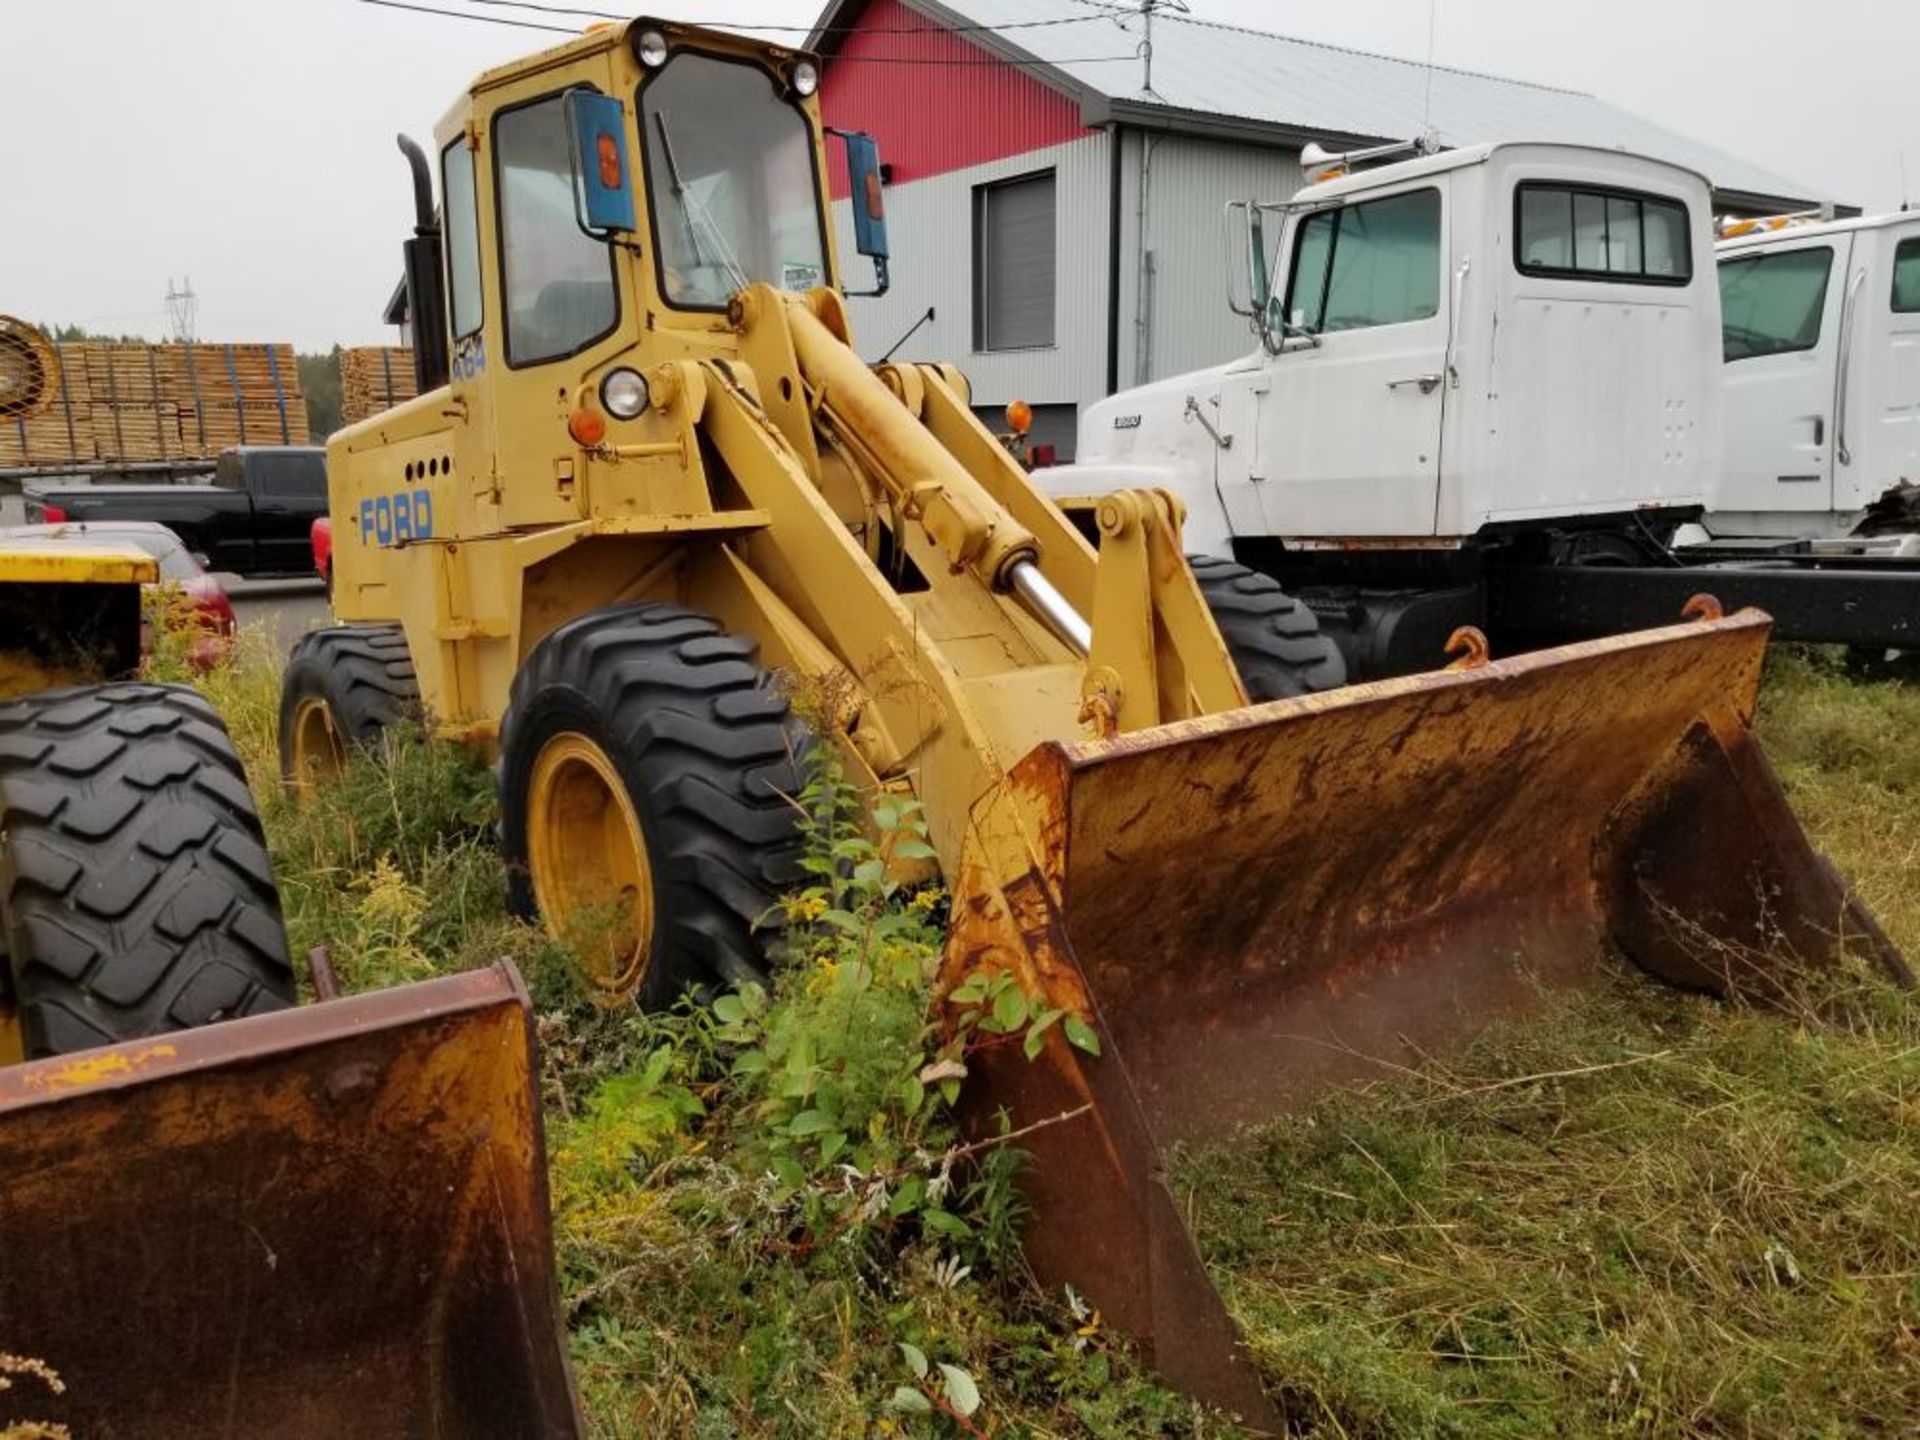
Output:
(1819, 430)
(1427, 383)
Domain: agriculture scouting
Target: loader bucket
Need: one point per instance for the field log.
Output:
(1253, 906)
(329, 1221)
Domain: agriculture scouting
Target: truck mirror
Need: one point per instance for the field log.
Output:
(1257, 280)
(869, 207)
(597, 142)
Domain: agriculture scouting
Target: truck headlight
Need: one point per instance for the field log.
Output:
(624, 393)
(806, 78)
(651, 47)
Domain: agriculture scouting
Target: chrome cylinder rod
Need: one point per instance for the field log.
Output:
(1050, 607)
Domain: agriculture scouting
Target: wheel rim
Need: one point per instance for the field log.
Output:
(13, 1043)
(319, 753)
(587, 860)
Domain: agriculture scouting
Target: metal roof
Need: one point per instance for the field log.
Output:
(1229, 79)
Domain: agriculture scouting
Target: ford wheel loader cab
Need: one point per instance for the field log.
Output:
(1502, 351)
(1822, 350)
(656, 497)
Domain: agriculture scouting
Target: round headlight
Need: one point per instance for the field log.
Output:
(624, 394)
(652, 49)
(806, 77)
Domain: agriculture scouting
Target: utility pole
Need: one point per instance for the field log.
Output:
(182, 307)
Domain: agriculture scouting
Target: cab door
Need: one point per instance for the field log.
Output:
(1780, 311)
(1351, 443)
(1880, 375)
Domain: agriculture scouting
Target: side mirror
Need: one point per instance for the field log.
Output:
(869, 207)
(597, 143)
(1246, 229)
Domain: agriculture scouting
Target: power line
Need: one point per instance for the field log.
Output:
(543, 9)
(838, 60)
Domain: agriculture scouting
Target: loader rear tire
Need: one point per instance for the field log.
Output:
(344, 687)
(1274, 639)
(136, 896)
(649, 726)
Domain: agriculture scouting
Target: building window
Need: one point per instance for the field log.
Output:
(556, 279)
(463, 238)
(1906, 277)
(1568, 232)
(1375, 263)
(1013, 263)
(1771, 303)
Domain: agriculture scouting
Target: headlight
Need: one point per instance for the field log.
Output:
(652, 49)
(624, 393)
(806, 78)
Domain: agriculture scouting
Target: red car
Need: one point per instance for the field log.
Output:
(180, 570)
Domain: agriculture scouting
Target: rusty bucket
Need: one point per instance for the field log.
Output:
(321, 1222)
(1253, 906)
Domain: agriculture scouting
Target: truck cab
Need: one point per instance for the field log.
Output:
(1452, 346)
(1822, 363)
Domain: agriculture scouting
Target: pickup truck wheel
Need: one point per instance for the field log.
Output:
(648, 779)
(344, 687)
(1274, 639)
(136, 896)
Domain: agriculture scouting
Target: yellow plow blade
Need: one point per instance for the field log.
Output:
(326, 1221)
(1256, 905)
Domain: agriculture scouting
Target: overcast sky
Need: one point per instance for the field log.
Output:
(249, 143)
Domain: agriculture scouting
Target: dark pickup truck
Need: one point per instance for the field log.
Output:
(254, 519)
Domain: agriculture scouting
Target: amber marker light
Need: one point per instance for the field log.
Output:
(588, 427)
(1019, 417)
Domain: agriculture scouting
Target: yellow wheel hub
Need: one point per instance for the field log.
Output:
(319, 752)
(587, 861)
(13, 1046)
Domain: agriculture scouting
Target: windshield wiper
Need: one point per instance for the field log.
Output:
(696, 213)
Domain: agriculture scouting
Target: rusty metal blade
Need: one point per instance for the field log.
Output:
(1258, 904)
(329, 1221)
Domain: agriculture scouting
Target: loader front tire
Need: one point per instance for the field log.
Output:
(136, 896)
(648, 778)
(343, 688)
(1274, 639)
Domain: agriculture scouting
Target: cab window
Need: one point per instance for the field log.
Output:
(1572, 232)
(1906, 277)
(463, 238)
(558, 281)
(1374, 263)
(1772, 303)
(731, 183)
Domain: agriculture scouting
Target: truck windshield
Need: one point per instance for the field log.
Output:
(731, 183)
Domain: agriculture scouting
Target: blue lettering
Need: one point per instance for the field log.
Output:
(383, 519)
(403, 517)
(422, 514)
(366, 521)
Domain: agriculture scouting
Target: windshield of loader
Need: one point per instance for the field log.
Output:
(731, 184)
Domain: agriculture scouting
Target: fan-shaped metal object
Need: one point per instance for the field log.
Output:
(29, 369)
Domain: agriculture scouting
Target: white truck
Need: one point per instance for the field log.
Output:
(1822, 403)
(1487, 391)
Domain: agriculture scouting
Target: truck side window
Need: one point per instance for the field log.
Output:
(1771, 303)
(1572, 232)
(556, 279)
(463, 238)
(1906, 276)
(1374, 263)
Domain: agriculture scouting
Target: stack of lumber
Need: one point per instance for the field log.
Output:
(129, 403)
(374, 378)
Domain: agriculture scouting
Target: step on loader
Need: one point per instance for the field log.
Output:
(221, 1215)
(651, 509)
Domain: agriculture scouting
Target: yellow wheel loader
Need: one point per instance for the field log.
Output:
(218, 1228)
(649, 494)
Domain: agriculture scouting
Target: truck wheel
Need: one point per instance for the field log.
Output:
(344, 685)
(1273, 638)
(135, 892)
(648, 785)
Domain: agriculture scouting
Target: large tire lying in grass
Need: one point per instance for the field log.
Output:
(649, 776)
(343, 687)
(1274, 639)
(135, 892)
